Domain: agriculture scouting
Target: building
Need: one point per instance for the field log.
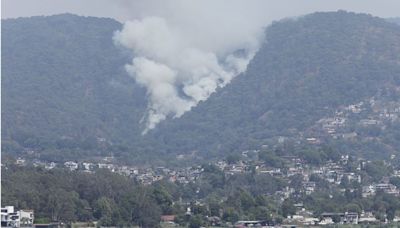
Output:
(12, 218)
(26, 218)
(71, 165)
(309, 187)
(8, 216)
(256, 223)
(20, 162)
(341, 218)
(168, 218)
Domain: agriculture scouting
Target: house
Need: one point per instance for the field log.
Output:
(26, 218)
(313, 140)
(326, 221)
(50, 165)
(20, 162)
(350, 218)
(214, 221)
(87, 166)
(367, 218)
(106, 166)
(368, 191)
(6, 216)
(71, 165)
(168, 218)
(309, 187)
(369, 122)
(303, 220)
(256, 223)
(12, 218)
(387, 188)
(341, 218)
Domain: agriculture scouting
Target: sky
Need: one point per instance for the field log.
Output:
(184, 50)
(124, 9)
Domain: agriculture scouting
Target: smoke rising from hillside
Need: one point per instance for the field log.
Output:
(183, 57)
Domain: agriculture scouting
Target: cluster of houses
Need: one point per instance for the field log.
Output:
(333, 173)
(385, 186)
(380, 112)
(145, 176)
(305, 217)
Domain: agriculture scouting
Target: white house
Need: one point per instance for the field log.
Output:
(71, 165)
(11, 218)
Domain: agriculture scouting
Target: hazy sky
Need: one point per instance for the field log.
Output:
(129, 9)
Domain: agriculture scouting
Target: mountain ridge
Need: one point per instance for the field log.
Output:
(66, 93)
(245, 107)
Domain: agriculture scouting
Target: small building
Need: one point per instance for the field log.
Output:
(71, 165)
(50, 165)
(255, 223)
(341, 218)
(20, 162)
(309, 187)
(367, 218)
(168, 218)
(12, 218)
(7, 214)
(26, 217)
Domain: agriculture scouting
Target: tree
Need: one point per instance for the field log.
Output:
(232, 158)
(230, 215)
(146, 212)
(195, 222)
(261, 213)
(246, 200)
(163, 199)
(103, 210)
(270, 158)
(288, 208)
(214, 208)
(395, 181)
(377, 170)
(61, 205)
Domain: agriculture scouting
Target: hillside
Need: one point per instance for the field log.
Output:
(64, 87)
(307, 70)
(325, 79)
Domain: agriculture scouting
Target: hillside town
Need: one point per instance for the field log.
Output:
(352, 121)
(334, 173)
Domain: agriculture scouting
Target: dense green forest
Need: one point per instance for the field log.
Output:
(65, 91)
(66, 95)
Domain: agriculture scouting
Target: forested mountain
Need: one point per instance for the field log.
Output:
(325, 78)
(64, 86)
(307, 71)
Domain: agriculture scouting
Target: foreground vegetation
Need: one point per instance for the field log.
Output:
(69, 196)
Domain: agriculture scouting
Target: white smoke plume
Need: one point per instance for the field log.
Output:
(182, 59)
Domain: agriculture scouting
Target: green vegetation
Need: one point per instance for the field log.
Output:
(216, 197)
(66, 94)
(60, 195)
(307, 68)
